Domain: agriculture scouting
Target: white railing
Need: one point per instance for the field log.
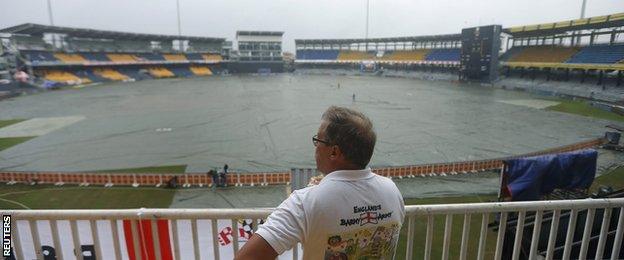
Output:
(194, 233)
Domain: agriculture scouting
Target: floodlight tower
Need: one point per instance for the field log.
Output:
(367, 18)
(50, 12)
(179, 25)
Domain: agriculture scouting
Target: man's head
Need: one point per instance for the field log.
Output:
(345, 140)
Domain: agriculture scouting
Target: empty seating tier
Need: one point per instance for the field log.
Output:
(602, 54)
(415, 55)
(317, 54)
(121, 57)
(160, 72)
(70, 58)
(95, 56)
(212, 57)
(356, 55)
(201, 71)
(546, 54)
(63, 77)
(181, 71)
(444, 55)
(110, 74)
(39, 56)
(174, 57)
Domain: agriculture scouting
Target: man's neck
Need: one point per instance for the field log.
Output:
(348, 167)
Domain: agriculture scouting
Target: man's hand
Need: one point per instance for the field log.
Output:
(256, 248)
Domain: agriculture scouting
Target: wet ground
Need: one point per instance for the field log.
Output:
(256, 123)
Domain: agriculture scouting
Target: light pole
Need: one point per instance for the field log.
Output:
(179, 25)
(50, 12)
(367, 18)
(583, 9)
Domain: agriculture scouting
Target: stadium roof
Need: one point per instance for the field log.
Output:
(38, 29)
(597, 22)
(259, 33)
(443, 37)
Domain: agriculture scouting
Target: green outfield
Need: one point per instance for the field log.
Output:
(583, 108)
(6, 143)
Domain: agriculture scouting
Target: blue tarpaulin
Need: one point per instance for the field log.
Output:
(532, 177)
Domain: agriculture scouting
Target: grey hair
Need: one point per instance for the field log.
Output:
(352, 132)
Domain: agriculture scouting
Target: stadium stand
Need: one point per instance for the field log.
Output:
(201, 71)
(356, 55)
(110, 74)
(150, 56)
(194, 56)
(90, 75)
(121, 57)
(38, 56)
(174, 57)
(70, 58)
(601, 54)
(24, 42)
(181, 71)
(317, 54)
(551, 54)
(160, 72)
(134, 73)
(63, 77)
(212, 57)
(95, 56)
(444, 55)
(415, 55)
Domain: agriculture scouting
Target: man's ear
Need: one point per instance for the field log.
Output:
(335, 152)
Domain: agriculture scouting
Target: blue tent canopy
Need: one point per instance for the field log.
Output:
(532, 177)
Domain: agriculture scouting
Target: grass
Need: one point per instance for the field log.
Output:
(6, 143)
(583, 108)
(154, 169)
(72, 197)
(51, 197)
(4, 123)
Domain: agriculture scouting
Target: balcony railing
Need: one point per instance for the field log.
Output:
(508, 230)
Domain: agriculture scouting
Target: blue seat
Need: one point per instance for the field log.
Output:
(181, 71)
(603, 54)
(194, 56)
(444, 55)
(317, 54)
(39, 56)
(151, 56)
(95, 56)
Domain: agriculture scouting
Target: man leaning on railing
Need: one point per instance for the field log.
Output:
(351, 212)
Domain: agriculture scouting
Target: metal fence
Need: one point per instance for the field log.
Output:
(520, 229)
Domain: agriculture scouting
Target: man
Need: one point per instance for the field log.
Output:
(352, 212)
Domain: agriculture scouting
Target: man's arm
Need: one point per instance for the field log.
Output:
(256, 248)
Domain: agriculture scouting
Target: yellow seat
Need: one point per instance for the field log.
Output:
(160, 72)
(64, 77)
(415, 55)
(174, 57)
(69, 58)
(110, 74)
(212, 57)
(201, 71)
(122, 57)
(548, 54)
(355, 55)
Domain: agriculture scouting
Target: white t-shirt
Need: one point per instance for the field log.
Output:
(349, 214)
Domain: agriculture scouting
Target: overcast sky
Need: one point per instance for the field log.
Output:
(299, 19)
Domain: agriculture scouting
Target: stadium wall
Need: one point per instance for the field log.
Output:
(266, 178)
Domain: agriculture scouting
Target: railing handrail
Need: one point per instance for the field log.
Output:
(411, 210)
